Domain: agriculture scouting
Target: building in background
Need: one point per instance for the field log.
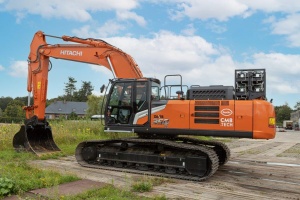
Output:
(295, 117)
(64, 109)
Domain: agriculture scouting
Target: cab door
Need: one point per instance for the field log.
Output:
(141, 103)
(120, 104)
(128, 103)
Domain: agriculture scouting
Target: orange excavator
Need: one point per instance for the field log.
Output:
(163, 117)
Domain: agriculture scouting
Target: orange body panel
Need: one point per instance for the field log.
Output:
(262, 111)
(142, 120)
(175, 115)
(230, 116)
(243, 115)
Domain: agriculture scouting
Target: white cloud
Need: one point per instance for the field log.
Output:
(284, 64)
(1, 68)
(189, 30)
(223, 10)
(269, 6)
(283, 71)
(68, 9)
(166, 52)
(102, 70)
(125, 15)
(201, 63)
(19, 69)
(216, 28)
(289, 27)
(214, 9)
(108, 29)
(287, 24)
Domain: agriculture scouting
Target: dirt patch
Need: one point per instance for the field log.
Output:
(238, 143)
(293, 152)
(262, 148)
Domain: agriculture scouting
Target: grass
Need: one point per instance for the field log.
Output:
(7, 131)
(15, 167)
(146, 183)
(142, 186)
(294, 152)
(110, 192)
(67, 135)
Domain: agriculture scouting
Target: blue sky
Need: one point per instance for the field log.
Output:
(204, 41)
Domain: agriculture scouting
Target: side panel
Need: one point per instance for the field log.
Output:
(175, 115)
(227, 118)
(243, 115)
(263, 111)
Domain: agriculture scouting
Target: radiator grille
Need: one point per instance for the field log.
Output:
(207, 112)
(206, 108)
(207, 121)
(207, 103)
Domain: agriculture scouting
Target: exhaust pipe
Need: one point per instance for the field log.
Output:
(35, 138)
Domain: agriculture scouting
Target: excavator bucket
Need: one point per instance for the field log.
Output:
(36, 139)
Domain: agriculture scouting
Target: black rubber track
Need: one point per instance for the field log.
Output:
(210, 153)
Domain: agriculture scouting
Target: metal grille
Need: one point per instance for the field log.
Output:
(206, 108)
(206, 114)
(206, 121)
(207, 103)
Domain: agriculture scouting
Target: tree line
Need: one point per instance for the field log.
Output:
(11, 109)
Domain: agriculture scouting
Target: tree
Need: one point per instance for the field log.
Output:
(73, 116)
(14, 109)
(297, 106)
(94, 105)
(283, 113)
(83, 93)
(24, 100)
(70, 88)
(71, 94)
(4, 101)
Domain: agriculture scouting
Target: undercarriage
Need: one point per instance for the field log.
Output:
(178, 157)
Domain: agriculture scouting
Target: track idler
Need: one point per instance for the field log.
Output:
(36, 138)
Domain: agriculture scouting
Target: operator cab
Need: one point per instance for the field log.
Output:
(129, 100)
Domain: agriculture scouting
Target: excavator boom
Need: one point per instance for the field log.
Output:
(36, 132)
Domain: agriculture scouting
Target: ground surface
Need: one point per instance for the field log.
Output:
(258, 169)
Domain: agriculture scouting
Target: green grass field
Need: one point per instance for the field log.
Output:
(17, 176)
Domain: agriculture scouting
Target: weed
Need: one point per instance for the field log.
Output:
(147, 183)
(15, 166)
(7, 186)
(142, 186)
(7, 132)
(107, 192)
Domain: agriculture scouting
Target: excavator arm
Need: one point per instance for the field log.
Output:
(91, 51)
(36, 134)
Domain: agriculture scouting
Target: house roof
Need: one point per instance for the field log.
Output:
(67, 107)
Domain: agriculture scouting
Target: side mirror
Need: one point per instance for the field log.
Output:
(102, 88)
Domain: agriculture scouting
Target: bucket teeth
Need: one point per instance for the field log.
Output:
(36, 139)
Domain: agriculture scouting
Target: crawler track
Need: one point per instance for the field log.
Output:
(176, 144)
(220, 148)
